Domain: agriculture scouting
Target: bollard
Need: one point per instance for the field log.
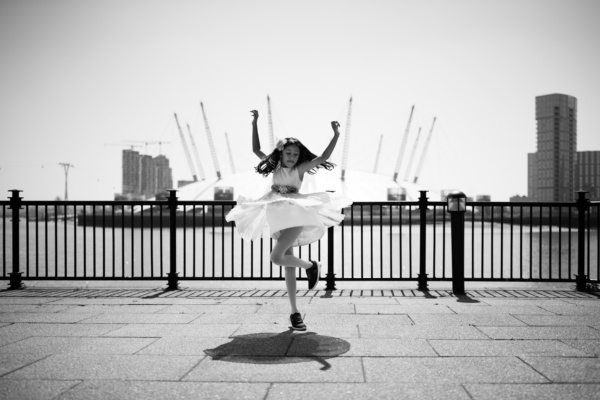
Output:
(457, 206)
(330, 275)
(15, 205)
(582, 206)
(422, 279)
(172, 275)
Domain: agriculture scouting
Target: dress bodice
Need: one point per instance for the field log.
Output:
(287, 177)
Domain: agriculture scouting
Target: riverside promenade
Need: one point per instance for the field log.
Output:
(526, 343)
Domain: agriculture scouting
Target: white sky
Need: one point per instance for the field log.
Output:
(78, 74)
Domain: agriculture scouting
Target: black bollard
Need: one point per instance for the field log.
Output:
(457, 207)
(173, 280)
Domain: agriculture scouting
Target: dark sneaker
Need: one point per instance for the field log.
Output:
(313, 274)
(297, 323)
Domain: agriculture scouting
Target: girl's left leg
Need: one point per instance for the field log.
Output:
(280, 255)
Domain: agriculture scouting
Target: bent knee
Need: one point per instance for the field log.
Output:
(277, 259)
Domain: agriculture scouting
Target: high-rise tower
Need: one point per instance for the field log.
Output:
(552, 178)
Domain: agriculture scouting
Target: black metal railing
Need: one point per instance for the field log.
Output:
(382, 241)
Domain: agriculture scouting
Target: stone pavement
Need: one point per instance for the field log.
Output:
(360, 344)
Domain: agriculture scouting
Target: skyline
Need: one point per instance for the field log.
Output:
(82, 74)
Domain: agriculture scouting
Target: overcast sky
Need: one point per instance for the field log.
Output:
(78, 78)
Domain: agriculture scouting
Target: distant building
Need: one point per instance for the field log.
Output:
(587, 173)
(131, 172)
(518, 197)
(552, 167)
(145, 176)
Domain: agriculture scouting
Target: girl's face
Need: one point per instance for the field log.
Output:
(289, 156)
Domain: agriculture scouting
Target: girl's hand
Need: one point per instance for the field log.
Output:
(335, 125)
(254, 115)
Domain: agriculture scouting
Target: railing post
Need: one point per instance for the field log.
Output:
(582, 207)
(423, 240)
(457, 207)
(172, 275)
(15, 205)
(330, 259)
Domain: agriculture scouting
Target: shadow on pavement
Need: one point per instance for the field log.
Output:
(280, 348)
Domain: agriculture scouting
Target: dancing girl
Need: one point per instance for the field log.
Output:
(294, 219)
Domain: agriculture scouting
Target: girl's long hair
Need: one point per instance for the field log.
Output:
(270, 162)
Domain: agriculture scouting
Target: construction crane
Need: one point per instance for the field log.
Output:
(425, 147)
(271, 133)
(196, 155)
(412, 156)
(346, 140)
(211, 144)
(378, 153)
(146, 143)
(230, 154)
(186, 150)
(403, 146)
(131, 146)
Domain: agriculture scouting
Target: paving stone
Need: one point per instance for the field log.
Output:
(262, 344)
(584, 302)
(134, 390)
(12, 362)
(502, 348)
(466, 319)
(365, 391)
(118, 367)
(439, 301)
(593, 312)
(224, 318)
(544, 332)
(116, 309)
(203, 308)
(121, 318)
(558, 320)
(65, 318)
(401, 309)
(524, 302)
(33, 389)
(46, 345)
(263, 301)
(166, 330)
(277, 369)
(32, 308)
(26, 300)
(11, 338)
(421, 332)
(135, 301)
(319, 308)
(381, 348)
(342, 331)
(532, 391)
(353, 300)
(58, 329)
(183, 345)
(576, 370)
(590, 347)
(498, 309)
(444, 370)
(366, 319)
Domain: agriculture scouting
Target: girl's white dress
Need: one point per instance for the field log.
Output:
(283, 208)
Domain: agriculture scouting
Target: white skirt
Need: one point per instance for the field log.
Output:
(315, 212)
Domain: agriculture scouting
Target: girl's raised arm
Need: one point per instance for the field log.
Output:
(255, 140)
(307, 166)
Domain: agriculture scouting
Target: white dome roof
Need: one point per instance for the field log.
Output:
(357, 185)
